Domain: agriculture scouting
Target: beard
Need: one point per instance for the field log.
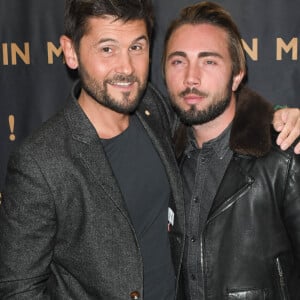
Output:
(99, 91)
(194, 116)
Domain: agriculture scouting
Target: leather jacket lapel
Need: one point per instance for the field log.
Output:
(235, 184)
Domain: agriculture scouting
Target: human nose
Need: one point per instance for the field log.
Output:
(192, 76)
(125, 64)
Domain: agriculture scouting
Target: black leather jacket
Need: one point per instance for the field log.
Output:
(251, 242)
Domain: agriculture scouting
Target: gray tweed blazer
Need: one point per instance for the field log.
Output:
(64, 230)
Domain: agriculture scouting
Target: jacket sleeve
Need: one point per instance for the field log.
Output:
(27, 229)
(292, 205)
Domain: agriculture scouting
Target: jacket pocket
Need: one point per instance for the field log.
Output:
(255, 294)
(281, 279)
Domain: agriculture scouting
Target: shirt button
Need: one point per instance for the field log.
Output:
(196, 199)
(193, 239)
(135, 295)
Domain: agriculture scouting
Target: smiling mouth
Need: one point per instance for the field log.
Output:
(122, 84)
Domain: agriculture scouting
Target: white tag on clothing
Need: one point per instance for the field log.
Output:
(171, 216)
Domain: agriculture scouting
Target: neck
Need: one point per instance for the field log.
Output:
(107, 122)
(210, 130)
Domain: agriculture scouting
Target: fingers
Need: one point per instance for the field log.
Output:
(280, 118)
(297, 148)
(289, 125)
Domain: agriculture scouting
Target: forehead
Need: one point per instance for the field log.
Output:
(111, 28)
(200, 37)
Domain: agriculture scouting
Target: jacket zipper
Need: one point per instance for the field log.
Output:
(224, 207)
(281, 280)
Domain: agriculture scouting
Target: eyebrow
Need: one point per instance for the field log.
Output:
(200, 55)
(138, 39)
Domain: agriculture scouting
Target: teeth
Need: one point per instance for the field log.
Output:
(122, 83)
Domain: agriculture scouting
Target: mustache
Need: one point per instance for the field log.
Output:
(194, 91)
(122, 78)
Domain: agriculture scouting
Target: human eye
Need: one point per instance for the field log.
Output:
(210, 62)
(136, 48)
(106, 49)
(176, 62)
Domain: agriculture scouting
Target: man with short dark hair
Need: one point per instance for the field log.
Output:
(87, 197)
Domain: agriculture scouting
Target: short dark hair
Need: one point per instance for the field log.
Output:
(214, 14)
(77, 13)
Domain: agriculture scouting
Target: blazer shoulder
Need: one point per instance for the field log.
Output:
(47, 136)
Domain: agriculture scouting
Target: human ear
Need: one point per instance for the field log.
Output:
(70, 54)
(237, 79)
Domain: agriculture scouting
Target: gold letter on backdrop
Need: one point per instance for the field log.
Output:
(16, 51)
(253, 53)
(282, 46)
(5, 54)
(53, 50)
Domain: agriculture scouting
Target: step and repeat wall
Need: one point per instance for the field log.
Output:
(34, 82)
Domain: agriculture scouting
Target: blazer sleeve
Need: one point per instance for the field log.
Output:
(27, 230)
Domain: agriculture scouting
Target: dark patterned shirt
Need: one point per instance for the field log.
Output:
(202, 170)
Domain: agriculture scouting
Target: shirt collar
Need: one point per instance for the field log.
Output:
(220, 144)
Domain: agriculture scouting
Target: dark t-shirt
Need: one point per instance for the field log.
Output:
(146, 192)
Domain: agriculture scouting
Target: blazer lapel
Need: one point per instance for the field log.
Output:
(161, 142)
(163, 145)
(235, 184)
(88, 148)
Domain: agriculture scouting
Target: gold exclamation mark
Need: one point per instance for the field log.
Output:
(11, 122)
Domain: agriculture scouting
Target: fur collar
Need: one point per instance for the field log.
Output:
(250, 133)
